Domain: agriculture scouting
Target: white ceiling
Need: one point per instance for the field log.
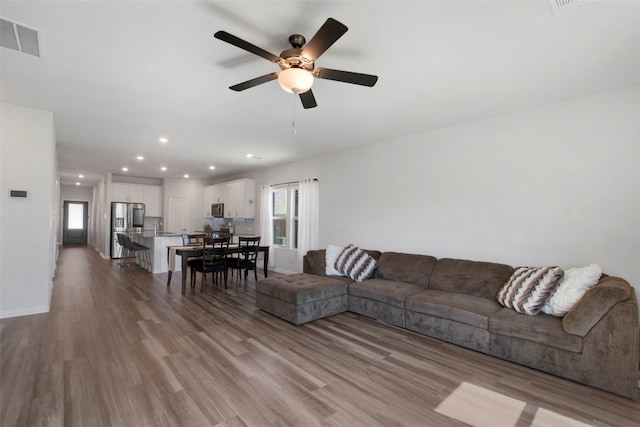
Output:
(119, 74)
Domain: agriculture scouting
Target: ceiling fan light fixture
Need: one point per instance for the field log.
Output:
(295, 80)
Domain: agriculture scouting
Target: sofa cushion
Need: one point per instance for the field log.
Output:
(481, 279)
(468, 309)
(529, 288)
(355, 263)
(314, 262)
(386, 291)
(541, 329)
(409, 268)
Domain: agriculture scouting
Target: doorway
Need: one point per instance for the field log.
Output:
(74, 225)
(178, 214)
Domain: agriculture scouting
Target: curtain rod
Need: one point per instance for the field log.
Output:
(288, 183)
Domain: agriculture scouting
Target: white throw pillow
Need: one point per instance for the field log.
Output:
(572, 287)
(331, 255)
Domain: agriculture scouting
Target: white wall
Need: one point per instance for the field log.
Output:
(193, 189)
(102, 215)
(77, 193)
(27, 226)
(553, 185)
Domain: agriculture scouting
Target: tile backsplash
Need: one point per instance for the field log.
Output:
(153, 223)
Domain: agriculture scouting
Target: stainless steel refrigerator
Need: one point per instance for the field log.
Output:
(125, 218)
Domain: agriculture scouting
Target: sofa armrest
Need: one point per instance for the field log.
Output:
(314, 263)
(595, 304)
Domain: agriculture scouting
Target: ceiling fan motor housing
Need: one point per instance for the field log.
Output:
(297, 40)
(292, 58)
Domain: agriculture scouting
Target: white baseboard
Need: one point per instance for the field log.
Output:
(23, 312)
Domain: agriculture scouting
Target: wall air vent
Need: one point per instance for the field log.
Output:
(18, 37)
(560, 7)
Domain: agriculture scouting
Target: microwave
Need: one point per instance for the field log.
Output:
(217, 210)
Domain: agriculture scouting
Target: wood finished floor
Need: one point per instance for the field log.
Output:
(120, 349)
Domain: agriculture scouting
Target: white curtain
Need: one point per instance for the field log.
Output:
(266, 228)
(307, 217)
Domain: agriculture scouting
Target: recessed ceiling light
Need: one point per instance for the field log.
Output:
(163, 168)
(212, 167)
(140, 157)
(249, 155)
(186, 176)
(125, 169)
(80, 176)
(163, 140)
(77, 183)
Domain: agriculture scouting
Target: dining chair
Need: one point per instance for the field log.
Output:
(213, 260)
(248, 248)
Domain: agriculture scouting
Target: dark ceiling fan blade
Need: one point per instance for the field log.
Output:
(327, 35)
(346, 76)
(230, 38)
(254, 82)
(308, 100)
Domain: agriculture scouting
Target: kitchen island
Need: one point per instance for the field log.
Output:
(157, 242)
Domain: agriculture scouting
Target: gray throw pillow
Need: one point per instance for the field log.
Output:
(528, 288)
(356, 264)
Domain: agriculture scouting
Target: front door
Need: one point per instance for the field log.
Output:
(74, 228)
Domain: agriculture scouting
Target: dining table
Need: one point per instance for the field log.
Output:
(190, 251)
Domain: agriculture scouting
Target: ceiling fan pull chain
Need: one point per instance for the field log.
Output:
(293, 122)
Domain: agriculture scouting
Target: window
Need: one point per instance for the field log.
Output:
(76, 216)
(285, 217)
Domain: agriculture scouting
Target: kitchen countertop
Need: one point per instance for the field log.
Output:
(150, 233)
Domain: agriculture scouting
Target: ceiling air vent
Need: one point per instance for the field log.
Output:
(18, 37)
(560, 7)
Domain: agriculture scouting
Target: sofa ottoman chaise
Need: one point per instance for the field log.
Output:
(301, 298)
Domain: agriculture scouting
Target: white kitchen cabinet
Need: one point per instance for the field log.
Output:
(217, 194)
(152, 197)
(229, 197)
(208, 199)
(212, 194)
(136, 193)
(122, 192)
(239, 199)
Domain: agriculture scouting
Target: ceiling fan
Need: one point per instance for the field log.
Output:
(297, 64)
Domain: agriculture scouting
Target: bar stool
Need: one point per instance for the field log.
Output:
(134, 248)
(124, 251)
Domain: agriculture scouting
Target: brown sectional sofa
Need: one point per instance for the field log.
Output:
(453, 300)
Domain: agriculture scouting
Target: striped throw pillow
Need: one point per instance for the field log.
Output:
(528, 288)
(356, 264)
